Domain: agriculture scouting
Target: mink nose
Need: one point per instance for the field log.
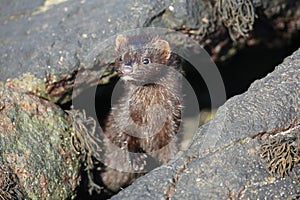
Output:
(127, 68)
(129, 63)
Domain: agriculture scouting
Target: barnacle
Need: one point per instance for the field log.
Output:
(237, 16)
(282, 154)
(86, 142)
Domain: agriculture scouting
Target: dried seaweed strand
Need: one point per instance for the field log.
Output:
(282, 154)
(9, 189)
(86, 143)
(237, 15)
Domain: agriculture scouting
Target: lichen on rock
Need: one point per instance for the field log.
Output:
(35, 145)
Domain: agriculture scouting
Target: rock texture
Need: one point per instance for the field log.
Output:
(43, 37)
(36, 158)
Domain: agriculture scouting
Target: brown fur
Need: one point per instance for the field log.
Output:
(146, 119)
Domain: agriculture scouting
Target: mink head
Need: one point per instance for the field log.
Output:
(141, 59)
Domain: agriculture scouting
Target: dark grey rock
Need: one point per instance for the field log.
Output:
(223, 160)
(40, 38)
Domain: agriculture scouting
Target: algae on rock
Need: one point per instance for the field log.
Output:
(35, 148)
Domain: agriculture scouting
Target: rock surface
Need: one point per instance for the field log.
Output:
(54, 37)
(36, 158)
(224, 160)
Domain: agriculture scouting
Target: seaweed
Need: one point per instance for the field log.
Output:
(282, 154)
(9, 189)
(237, 15)
(86, 143)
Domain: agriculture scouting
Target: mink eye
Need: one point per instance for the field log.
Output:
(146, 61)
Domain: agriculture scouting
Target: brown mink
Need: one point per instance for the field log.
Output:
(146, 119)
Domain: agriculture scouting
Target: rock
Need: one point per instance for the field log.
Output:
(37, 161)
(54, 37)
(225, 159)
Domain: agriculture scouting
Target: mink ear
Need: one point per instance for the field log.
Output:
(164, 47)
(121, 40)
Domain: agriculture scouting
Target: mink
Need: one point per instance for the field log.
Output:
(146, 119)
